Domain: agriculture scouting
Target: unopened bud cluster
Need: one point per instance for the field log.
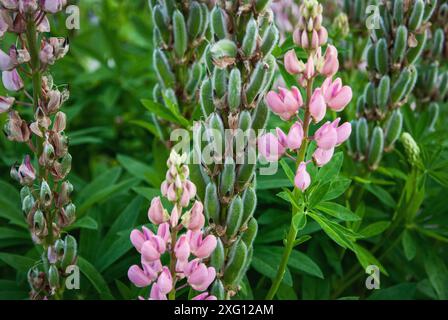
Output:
(395, 48)
(189, 252)
(45, 195)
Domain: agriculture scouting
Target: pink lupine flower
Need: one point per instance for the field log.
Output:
(292, 64)
(156, 293)
(137, 239)
(344, 131)
(317, 107)
(156, 213)
(323, 36)
(204, 296)
(174, 217)
(310, 68)
(164, 232)
(6, 63)
(286, 103)
(139, 277)
(336, 96)
(182, 248)
(302, 179)
(6, 103)
(153, 248)
(295, 136)
(271, 147)
(314, 39)
(199, 276)
(26, 171)
(201, 248)
(12, 80)
(326, 136)
(165, 281)
(194, 219)
(53, 6)
(330, 64)
(322, 156)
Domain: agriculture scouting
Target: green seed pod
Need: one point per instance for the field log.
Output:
(360, 106)
(383, 92)
(412, 81)
(170, 6)
(393, 128)
(27, 204)
(39, 221)
(198, 177)
(247, 169)
(351, 143)
(218, 290)
(45, 194)
(216, 133)
(438, 42)
(371, 63)
(163, 69)
(70, 251)
(208, 59)
(416, 18)
(269, 41)
(250, 38)
(212, 206)
(220, 82)
(180, 34)
(370, 95)
(244, 121)
(206, 98)
(270, 74)
(234, 92)
(400, 44)
(415, 53)
(157, 39)
(399, 87)
(195, 78)
(218, 255)
(250, 203)
(53, 277)
(398, 11)
(382, 56)
(194, 22)
(380, 32)
(411, 148)
(376, 148)
(235, 266)
(432, 76)
(362, 138)
(430, 7)
(204, 19)
(434, 111)
(443, 87)
(161, 22)
(234, 216)
(157, 93)
(261, 5)
(227, 179)
(260, 117)
(223, 51)
(251, 232)
(24, 192)
(219, 24)
(256, 82)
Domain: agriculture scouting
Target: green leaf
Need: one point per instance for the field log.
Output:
(303, 263)
(409, 245)
(18, 262)
(120, 247)
(337, 211)
(84, 223)
(299, 221)
(139, 169)
(265, 261)
(95, 278)
(438, 274)
(317, 194)
(288, 171)
(148, 193)
(338, 187)
(286, 293)
(382, 195)
(366, 259)
(165, 113)
(331, 170)
(375, 229)
(148, 126)
(106, 179)
(8, 233)
(403, 291)
(10, 205)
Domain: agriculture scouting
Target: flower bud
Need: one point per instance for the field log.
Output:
(28, 203)
(302, 179)
(48, 155)
(156, 213)
(295, 136)
(318, 107)
(322, 156)
(53, 277)
(26, 172)
(211, 203)
(292, 64)
(182, 248)
(194, 219)
(46, 195)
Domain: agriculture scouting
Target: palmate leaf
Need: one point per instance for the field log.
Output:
(165, 113)
(437, 272)
(338, 211)
(366, 259)
(331, 170)
(95, 278)
(140, 170)
(374, 229)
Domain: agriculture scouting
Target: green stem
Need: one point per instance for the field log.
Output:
(292, 234)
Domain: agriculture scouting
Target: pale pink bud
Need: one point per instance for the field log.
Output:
(190, 186)
(180, 267)
(309, 68)
(204, 296)
(270, 147)
(322, 156)
(304, 40)
(171, 193)
(156, 294)
(174, 217)
(137, 239)
(317, 105)
(286, 103)
(314, 40)
(182, 248)
(6, 103)
(164, 232)
(295, 136)
(138, 277)
(156, 212)
(331, 62)
(185, 198)
(323, 36)
(326, 136)
(26, 171)
(165, 281)
(164, 188)
(6, 63)
(292, 64)
(336, 95)
(194, 220)
(53, 6)
(302, 179)
(12, 80)
(297, 37)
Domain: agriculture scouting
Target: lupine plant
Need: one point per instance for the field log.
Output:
(305, 148)
(45, 191)
(240, 71)
(164, 275)
(180, 37)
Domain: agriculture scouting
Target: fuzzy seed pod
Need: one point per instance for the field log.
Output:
(235, 265)
(234, 93)
(247, 169)
(212, 206)
(370, 96)
(219, 24)
(163, 69)
(244, 121)
(438, 43)
(269, 41)
(260, 118)
(371, 56)
(250, 203)
(206, 98)
(217, 257)
(415, 53)
(393, 128)
(251, 233)
(362, 137)
(256, 82)
(383, 92)
(382, 57)
(416, 18)
(220, 82)
(398, 11)
(400, 44)
(399, 87)
(250, 39)
(195, 20)
(234, 216)
(161, 22)
(227, 179)
(218, 290)
(376, 148)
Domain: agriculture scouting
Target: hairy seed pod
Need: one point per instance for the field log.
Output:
(251, 232)
(237, 259)
(434, 111)
(443, 87)
(161, 22)
(250, 39)
(260, 117)
(393, 128)
(195, 20)
(256, 82)
(194, 80)
(70, 251)
(227, 179)
(432, 76)
(438, 43)
(212, 206)
(270, 40)
(163, 69)
(261, 5)
(209, 60)
(217, 257)
(362, 138)
(400, 44)
(416, 18)
(53, 277)
(398, 11)
(219, 24)
(383, 92)
(27, 204)
(247, 169)
(170, 6)
(244, 121)
(399, 87)
(430, 7)
(382, 57)
(376, 148)
(204, 20)
(180, 34)
(250, 203)
(234, 92)
(46, 196)
(370, 96)
(271, 65)
(218, 290)
(371, 63)
(412, 80)
(234, 216)
(224, 49)
(220, 82)
(415, 53)
(206, 98)
(360, 106)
